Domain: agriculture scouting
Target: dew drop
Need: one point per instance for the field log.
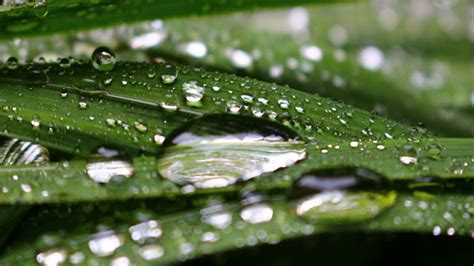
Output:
(193, 92)
(257, 213)
(169, 74)
(340, 196)
(40, 8)
(216, 215)
(12, 63)
(219, 150)
(434, 151)
(105, 243)
(104, 171)
(103, 59)
(408, 155)
(52, 257)
(146, 230)
(152, 252)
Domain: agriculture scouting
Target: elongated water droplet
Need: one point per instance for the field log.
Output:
(16, 151)
(152, 252)
(104, 171)
(146, 230)
(340, 196)
(52, 257)
(103, 59)
(219, 150)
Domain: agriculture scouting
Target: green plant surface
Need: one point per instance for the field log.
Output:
(32, 19)
(183, 233)
(424, 80)
(74, 116)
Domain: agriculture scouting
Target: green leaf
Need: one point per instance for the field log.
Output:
(144, 108)
(69, 108)
(420, 80)
(16, 152)
(56, 16)
(185, 235)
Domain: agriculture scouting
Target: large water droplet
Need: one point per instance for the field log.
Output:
(104, 171)
(103, 59)
(219, 150)
(22, 152)
(340, 196)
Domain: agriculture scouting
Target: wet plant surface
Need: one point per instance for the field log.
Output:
(192, 141)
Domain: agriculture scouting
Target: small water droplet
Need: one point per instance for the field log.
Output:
(12, 63)
(257, 213)
(169, 74)
(105, 243)
(146, 230)
(40, 8)
(434, 151)
(151, 252)
(217, 216)
(193, 92)
(408, 155)
(52, 257)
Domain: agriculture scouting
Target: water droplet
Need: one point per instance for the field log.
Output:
(146, 230)
(283, 103)
(340, 196)
(12, 63)
(408, 155)
(371, 58)
(82, 105)
(140, 127)
(354, 144)
(217, 216)
(152, 252)
(234, 107)
(195, 49)
(22, 152)
(193, 92)
(64, 62)
(239, 58)
(52, 257)
(257, 213)
(105, 243)
(104, 171)
(169, 74)
(40, 8)
(219, 150)
(103, 59)
(434, 151)
(120, 261)
(311, 52)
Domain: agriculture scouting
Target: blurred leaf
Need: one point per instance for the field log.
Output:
(53, 16)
